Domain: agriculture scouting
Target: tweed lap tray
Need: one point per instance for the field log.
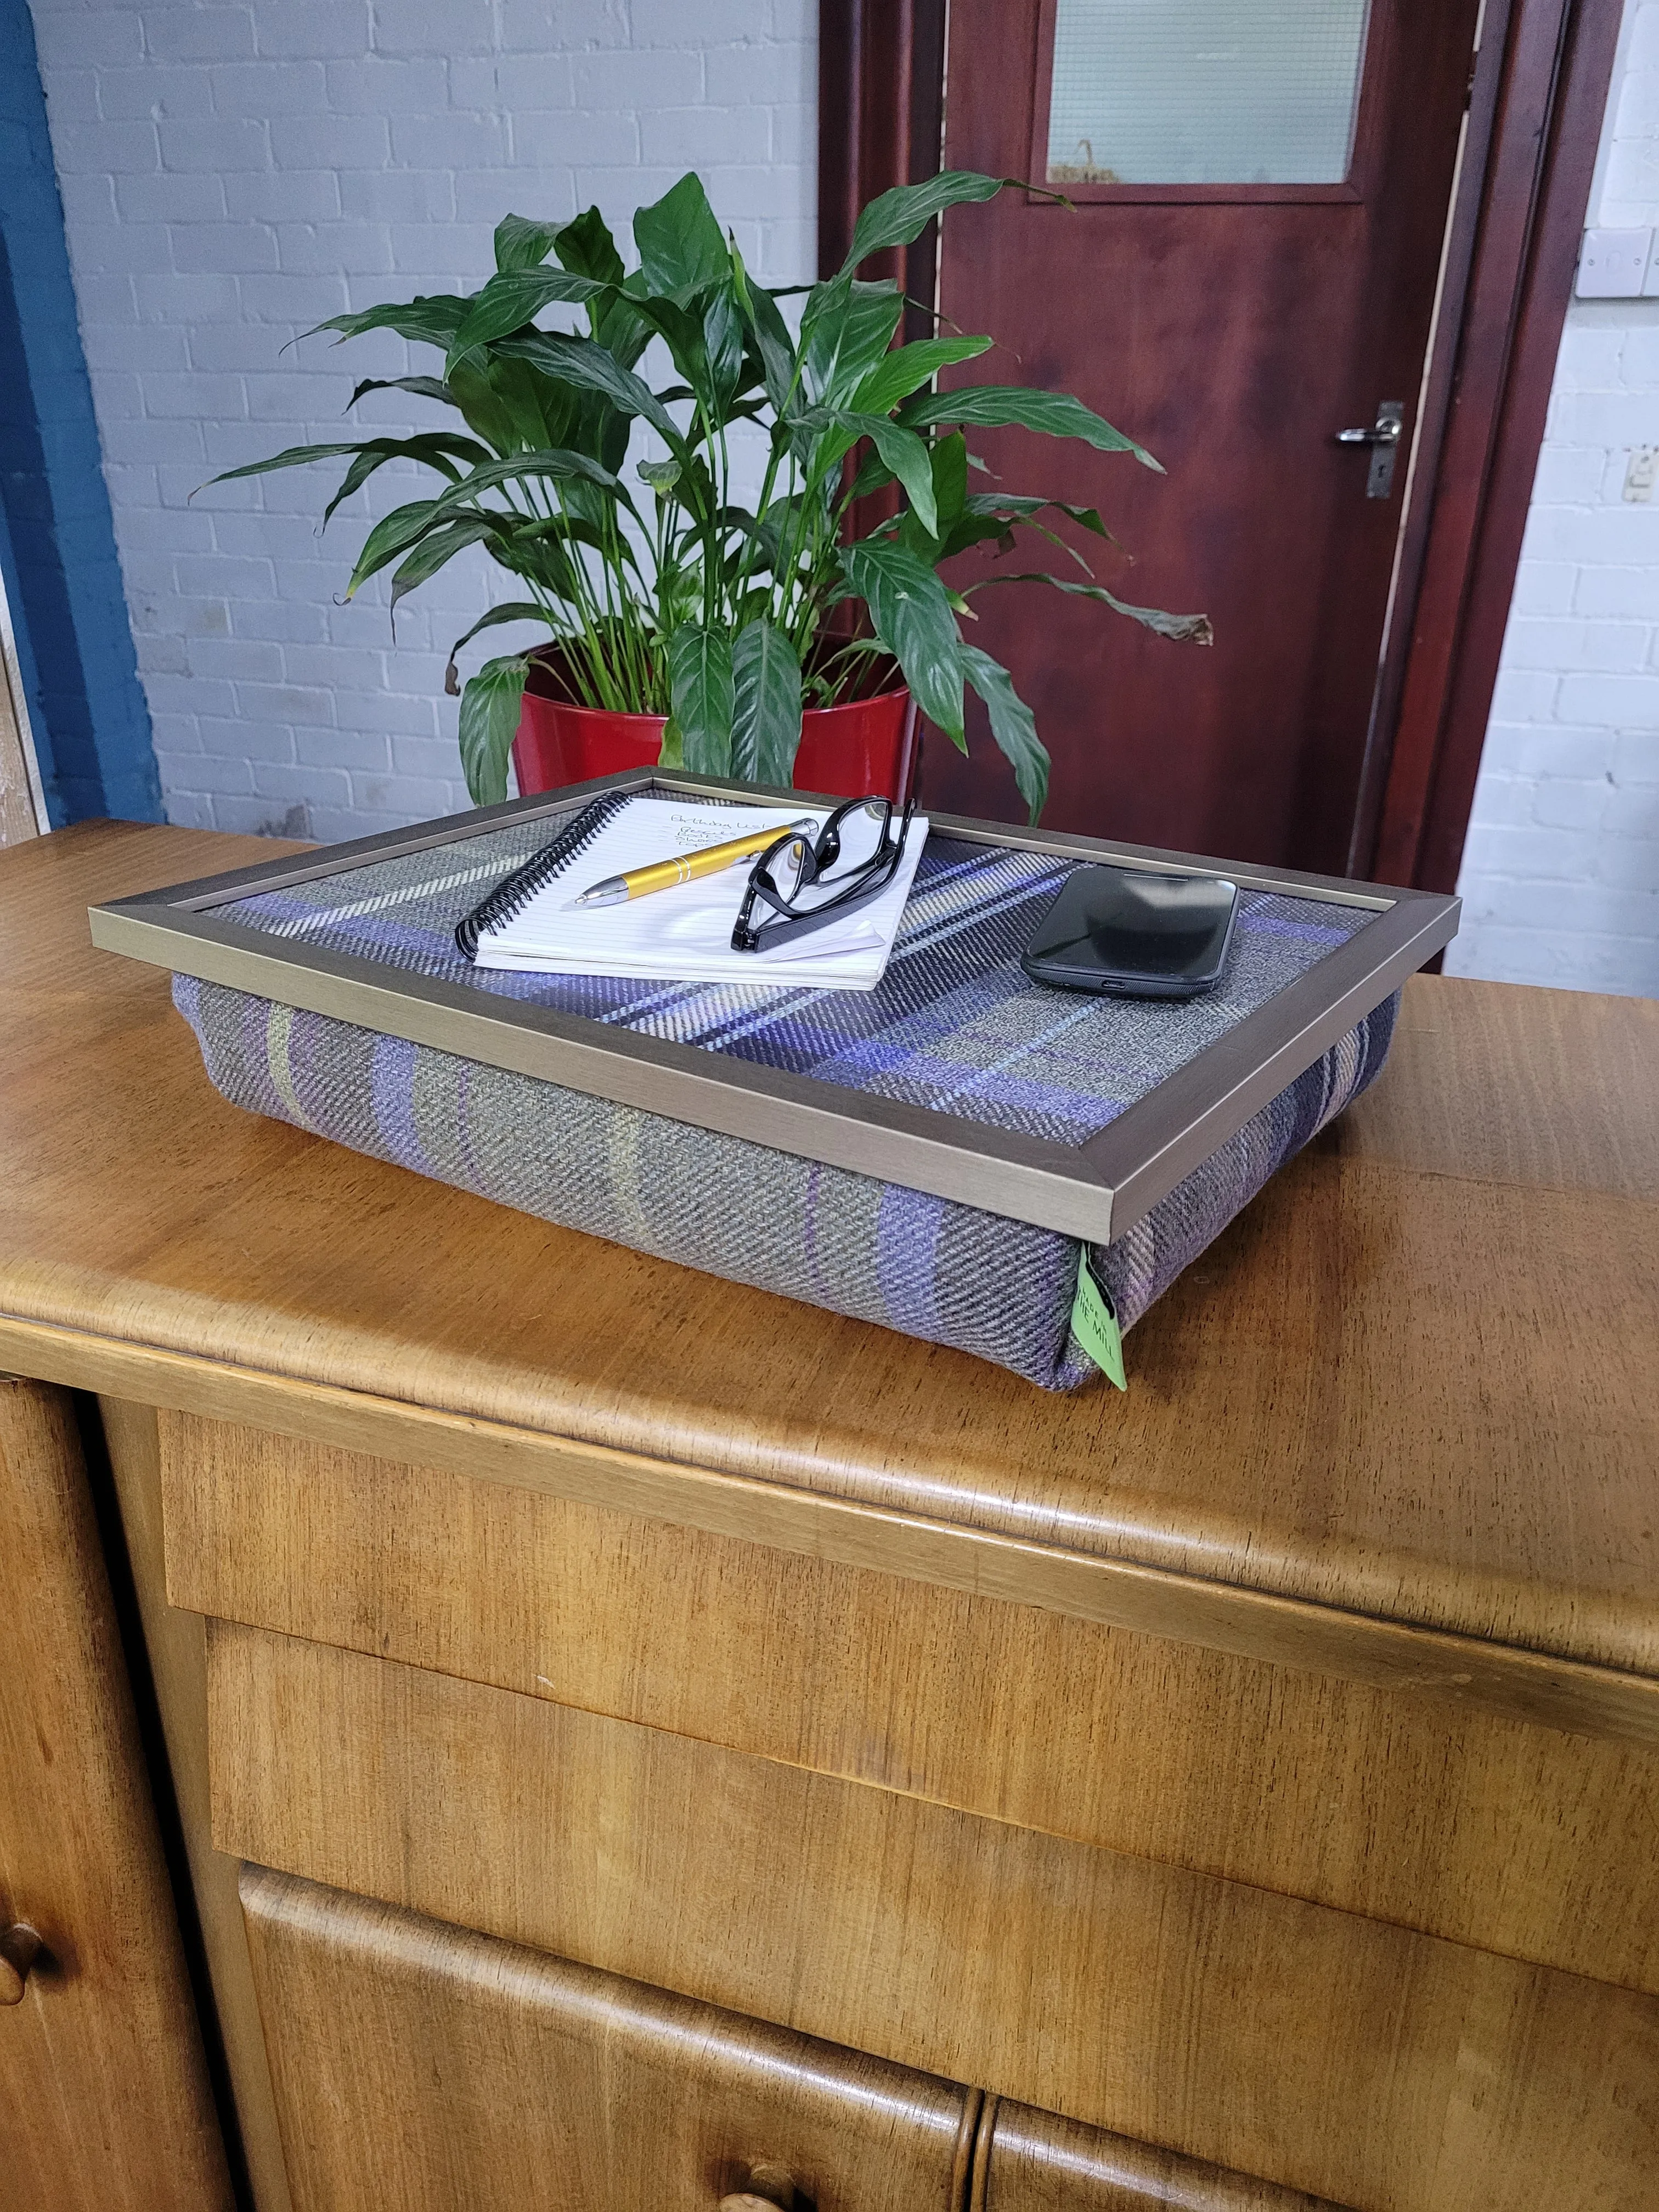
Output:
(930, 1155)
(929, 1265)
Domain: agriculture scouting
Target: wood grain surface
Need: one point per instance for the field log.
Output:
(176, 1645)
(1518, 1838)
(1412, 1382)
(1031, 2162)
(1387, 2070)
(105, 2105)
(427, 2068)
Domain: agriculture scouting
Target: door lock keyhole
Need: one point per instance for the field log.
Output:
(1384, 438)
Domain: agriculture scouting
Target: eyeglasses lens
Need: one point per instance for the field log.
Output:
(858, 841)
(789, 868)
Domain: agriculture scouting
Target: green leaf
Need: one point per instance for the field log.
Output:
(540, 552)
(768, 532)
(912, 618)
(873, 475)
(434, 549)
(902, 450)
(1013, 725)
(722, 349)
(950, 470)
(900, 217)
(845, 331)
(587, 248)
(969, 529)
(908, 367)
(1007, 508)
(766, 705)
(590, 367)
(661, 476)
(436, 449)
(523, 243)
(993, 516)
(551, 464)
(542, 414)
(294, 457)
(490, 707)
(509, 611)
(393, 534)
(514, 298)
(433, 319)
(951, 476)
(681, 246)
(1183, 629)
(424, 387)
(672, 754)
(681, 328)
(772, 339)
(990, 406)
(619, 326)
(695, 491)
(483, 409)
(700, 681)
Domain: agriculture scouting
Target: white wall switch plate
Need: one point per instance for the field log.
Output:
(1613, 265)
(1639, 474)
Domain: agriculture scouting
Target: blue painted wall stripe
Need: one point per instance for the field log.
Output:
(56, 539)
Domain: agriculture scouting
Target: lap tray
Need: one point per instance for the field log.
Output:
(932, 1155)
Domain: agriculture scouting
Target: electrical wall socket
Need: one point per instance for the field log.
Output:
(1613, 265)
(1639, 473)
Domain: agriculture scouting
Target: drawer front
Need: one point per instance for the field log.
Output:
(1032, 2161)
(1391, 1802)
(1382, 2069)
(422, 2067)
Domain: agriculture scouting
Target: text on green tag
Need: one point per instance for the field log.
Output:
(1094, 1322)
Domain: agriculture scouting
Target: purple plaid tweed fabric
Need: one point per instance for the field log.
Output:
(956, 1024)
(948, 1273)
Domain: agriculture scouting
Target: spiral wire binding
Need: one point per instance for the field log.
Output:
(515, 892)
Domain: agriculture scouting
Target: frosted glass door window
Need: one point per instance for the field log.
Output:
(1199, 92)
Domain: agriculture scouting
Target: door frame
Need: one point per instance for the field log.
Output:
(1537, 94)
(22, 797)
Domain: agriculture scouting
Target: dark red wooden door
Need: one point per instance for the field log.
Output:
(1234, 327)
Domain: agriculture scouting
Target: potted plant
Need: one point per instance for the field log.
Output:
(684, 624)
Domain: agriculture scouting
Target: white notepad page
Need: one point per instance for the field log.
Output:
(684, 935)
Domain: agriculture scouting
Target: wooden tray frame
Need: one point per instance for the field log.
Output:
(1094, 1190)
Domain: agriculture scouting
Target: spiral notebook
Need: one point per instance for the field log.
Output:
(684, 935)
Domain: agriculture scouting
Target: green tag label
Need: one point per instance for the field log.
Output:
(1094, 1322)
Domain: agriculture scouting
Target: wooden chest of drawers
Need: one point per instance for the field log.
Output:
(637, 1742)
(805, 1819)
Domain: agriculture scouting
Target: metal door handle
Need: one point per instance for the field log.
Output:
(1384, 438)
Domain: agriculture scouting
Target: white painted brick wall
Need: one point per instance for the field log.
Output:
(232, 173)
(1561, 877)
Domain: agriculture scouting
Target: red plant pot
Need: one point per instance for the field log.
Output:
(868, 745)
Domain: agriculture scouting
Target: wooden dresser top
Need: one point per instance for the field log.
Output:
(1417, 1381)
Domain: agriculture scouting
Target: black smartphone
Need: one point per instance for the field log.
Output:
(1133, 934)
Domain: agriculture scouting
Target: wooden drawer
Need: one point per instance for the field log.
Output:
(1393, 1803)
(1383, 2070)
(421, 2068)
(1032, 2161)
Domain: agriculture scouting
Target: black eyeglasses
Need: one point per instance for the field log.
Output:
(801, 881)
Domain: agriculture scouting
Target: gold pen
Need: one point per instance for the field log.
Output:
(685, 867)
